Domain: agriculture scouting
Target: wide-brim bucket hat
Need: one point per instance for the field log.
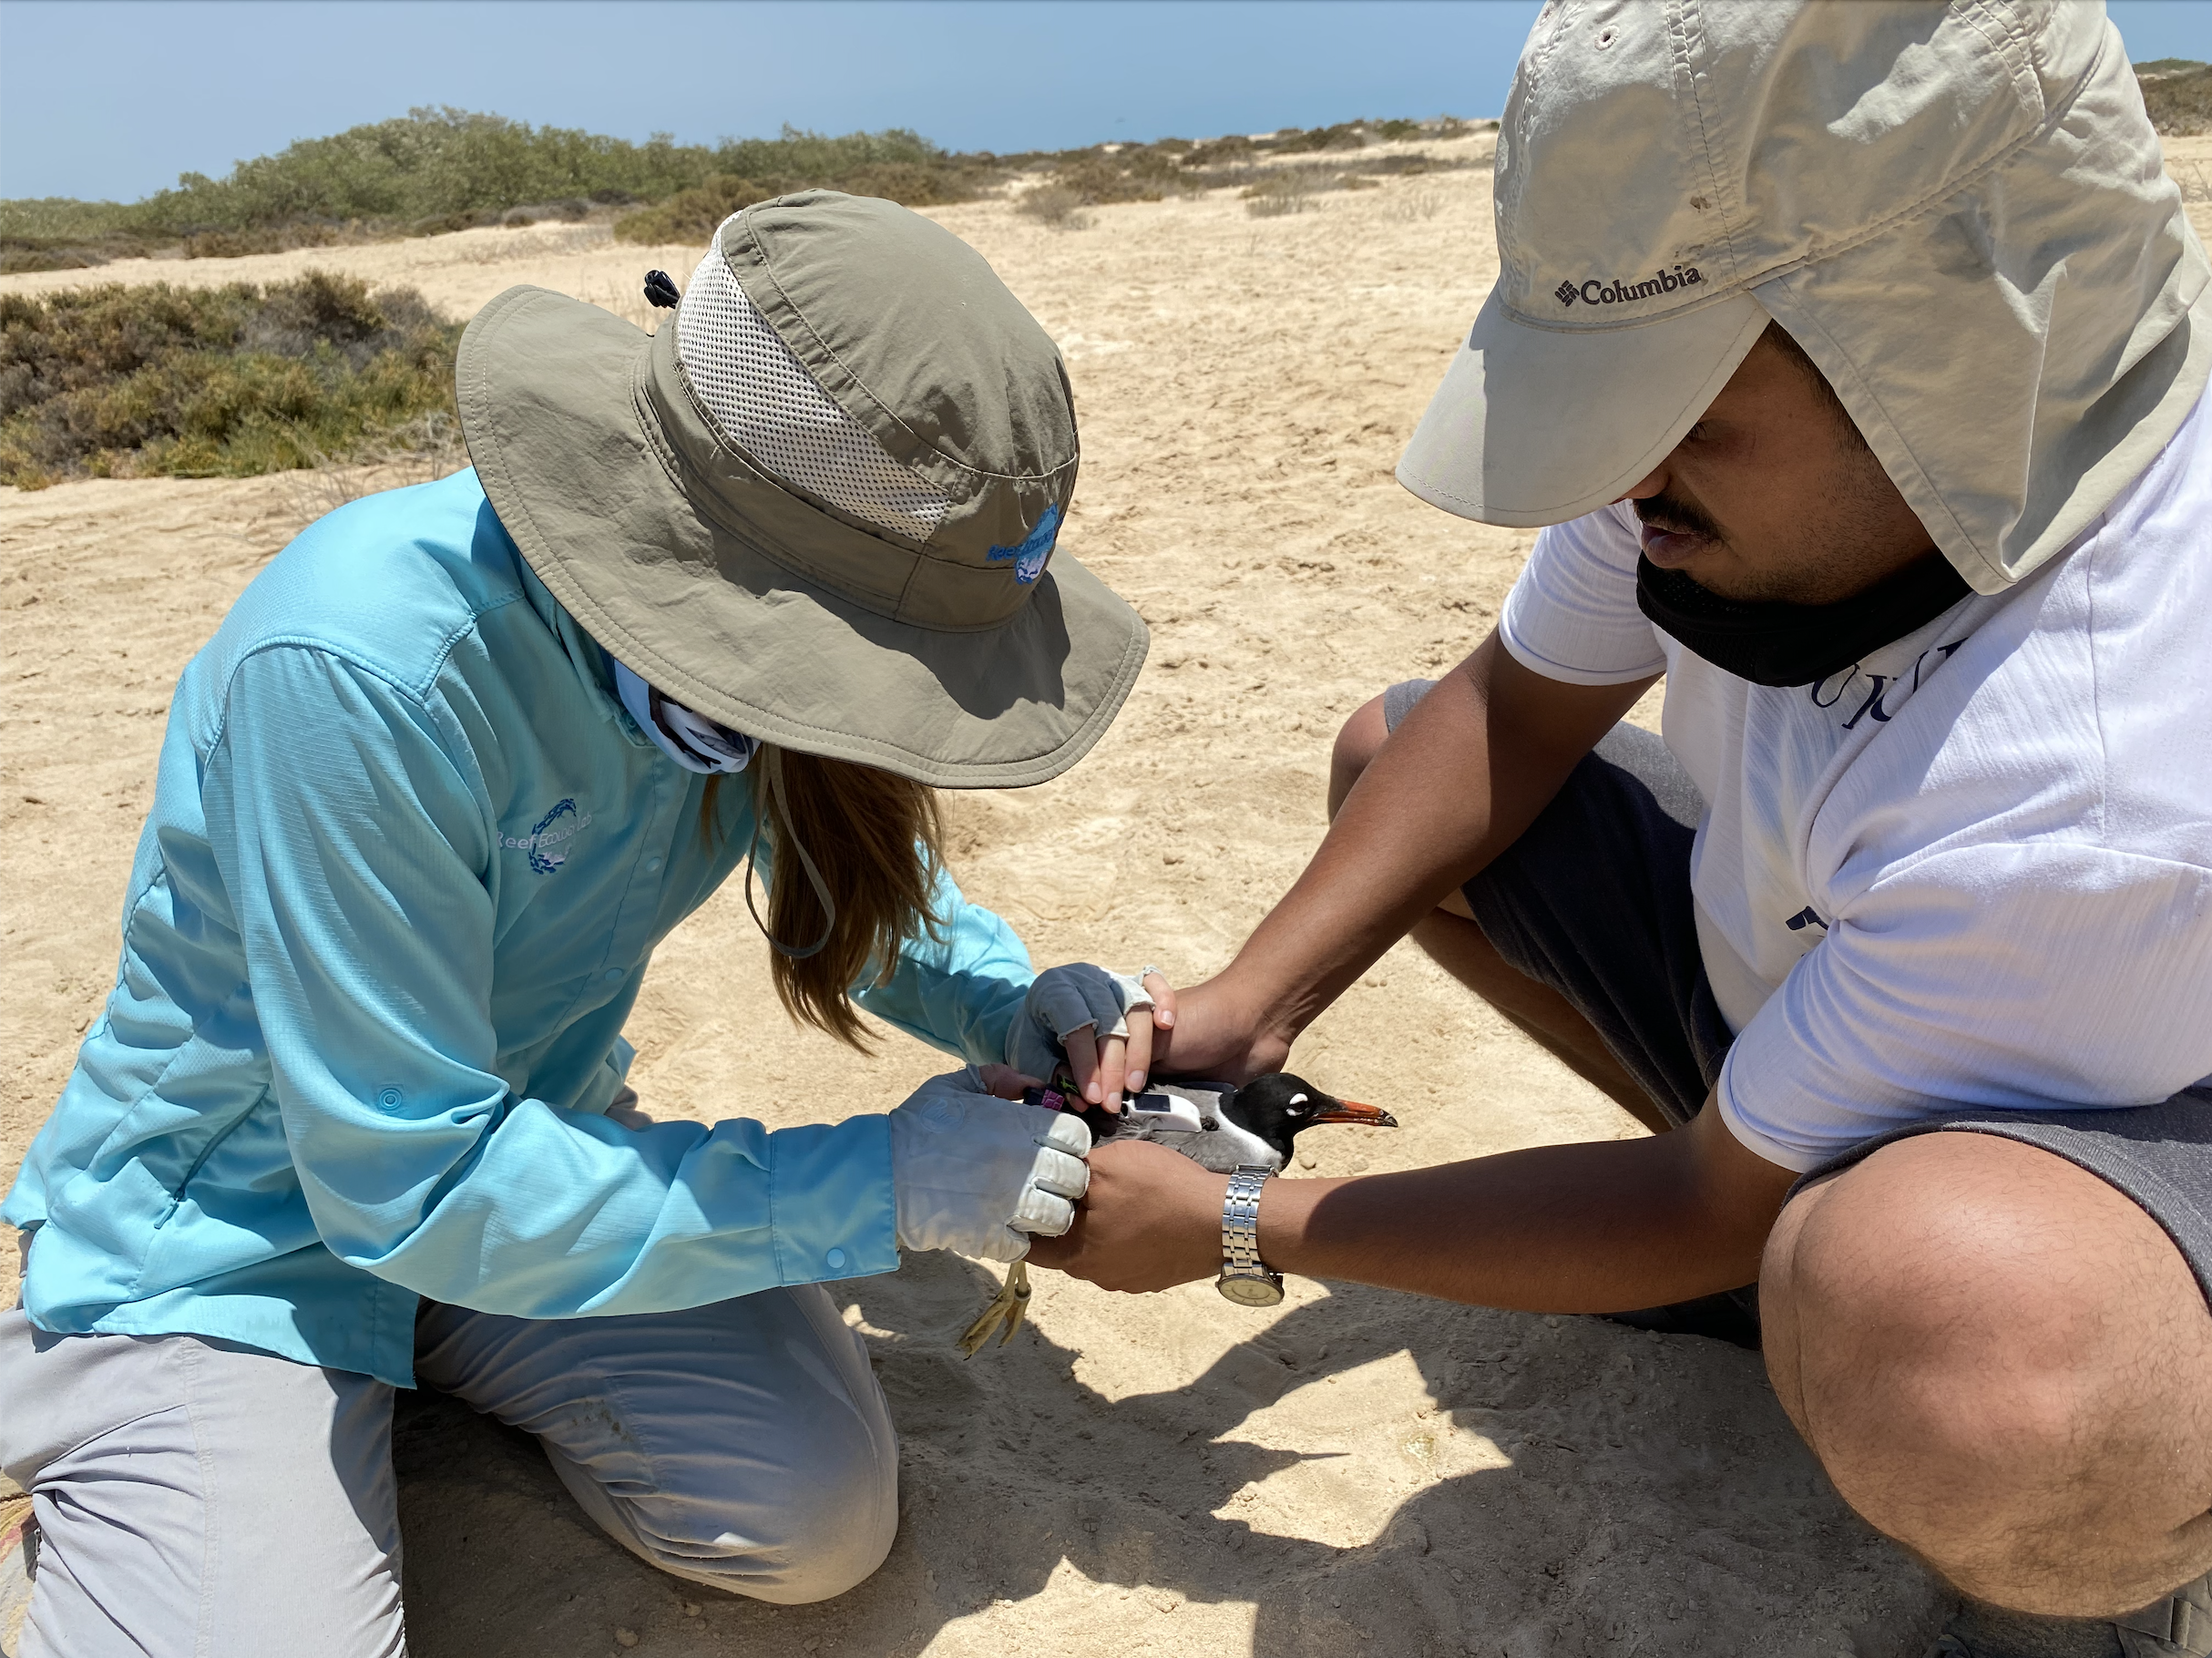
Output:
(820, 506)
(1959, 211)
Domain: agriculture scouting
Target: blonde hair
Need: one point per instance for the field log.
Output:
(872, 843)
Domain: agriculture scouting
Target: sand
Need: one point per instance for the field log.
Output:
(1356, 1471)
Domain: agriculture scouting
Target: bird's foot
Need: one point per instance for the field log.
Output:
(1007, 1308)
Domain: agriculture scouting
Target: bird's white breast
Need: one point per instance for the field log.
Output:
(1221, 1149)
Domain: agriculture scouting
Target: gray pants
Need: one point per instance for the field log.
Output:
(197, 1496)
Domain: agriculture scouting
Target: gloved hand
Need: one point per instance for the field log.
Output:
(976, 1175)
(1064, 1001)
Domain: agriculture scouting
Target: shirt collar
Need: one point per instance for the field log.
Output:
(585, 656)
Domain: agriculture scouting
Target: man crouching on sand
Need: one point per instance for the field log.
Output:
(1854, 357)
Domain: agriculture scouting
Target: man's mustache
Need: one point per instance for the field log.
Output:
(1679, 517)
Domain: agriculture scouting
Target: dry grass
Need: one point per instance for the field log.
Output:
(1281, 194)
(628, 301)
(527, 244)
(421, 452)
(1055, 205)
(1410, 205)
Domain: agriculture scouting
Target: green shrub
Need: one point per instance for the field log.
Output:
(35, 256)
(909, 183)
(1344, 134)
(442, 169)
(116, 381)
(429, 163)
(691, 215)
(1216, 152)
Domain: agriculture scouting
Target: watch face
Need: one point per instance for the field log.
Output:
(1253, 1292)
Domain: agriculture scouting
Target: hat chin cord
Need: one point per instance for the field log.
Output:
(772, 775)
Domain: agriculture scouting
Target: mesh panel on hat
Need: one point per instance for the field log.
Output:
(768, 404)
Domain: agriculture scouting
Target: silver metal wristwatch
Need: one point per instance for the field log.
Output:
(1244, 1278)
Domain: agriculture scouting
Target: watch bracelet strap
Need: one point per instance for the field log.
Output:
(1240, 1219)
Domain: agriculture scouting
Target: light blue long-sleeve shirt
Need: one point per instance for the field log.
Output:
(406, 862)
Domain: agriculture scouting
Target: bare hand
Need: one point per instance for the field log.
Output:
(1215, 1034)
(1152, 1219)
(1106, 1070)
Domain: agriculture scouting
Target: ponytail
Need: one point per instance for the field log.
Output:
(868, 841)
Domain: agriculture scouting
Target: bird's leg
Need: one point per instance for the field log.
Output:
(1017, 1286)
(1007, 1308)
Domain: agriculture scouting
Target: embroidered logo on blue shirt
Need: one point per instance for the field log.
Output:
(549, 833)
(1031, 554)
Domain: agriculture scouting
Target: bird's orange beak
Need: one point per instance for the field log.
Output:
(1351, 1111)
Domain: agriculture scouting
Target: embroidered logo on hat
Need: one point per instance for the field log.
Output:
(1829, 168)
(1034, 551)
(1597, 291)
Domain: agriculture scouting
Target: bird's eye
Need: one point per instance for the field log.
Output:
(1297, 1100)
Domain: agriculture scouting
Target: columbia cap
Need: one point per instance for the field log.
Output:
(1960, 211)
(822, 507)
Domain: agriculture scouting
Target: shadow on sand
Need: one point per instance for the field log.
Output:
(1656, 1503)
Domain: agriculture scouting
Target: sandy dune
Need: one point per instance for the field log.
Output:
(1359, 1471)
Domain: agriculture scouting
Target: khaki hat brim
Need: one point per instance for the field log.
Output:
(565, 443)
(1537, 425)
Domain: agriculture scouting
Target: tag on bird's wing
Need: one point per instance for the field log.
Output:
(1162, 1110)
(1188, 1108)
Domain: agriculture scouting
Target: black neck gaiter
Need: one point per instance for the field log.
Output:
(1783, 644)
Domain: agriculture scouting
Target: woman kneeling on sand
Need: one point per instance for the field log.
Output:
(355, 1111)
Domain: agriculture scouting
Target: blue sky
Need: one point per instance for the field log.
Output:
(114, 100)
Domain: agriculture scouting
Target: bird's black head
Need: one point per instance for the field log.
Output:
(1279, 1107)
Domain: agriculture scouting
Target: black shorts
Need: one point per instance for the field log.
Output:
(1594, 901)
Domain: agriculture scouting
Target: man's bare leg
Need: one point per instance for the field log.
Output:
(1458, 946)
(2004, 1363)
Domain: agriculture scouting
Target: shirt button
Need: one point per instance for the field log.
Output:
(613, 974)
(652, 866)
(836, 1259)
(391, 1099)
